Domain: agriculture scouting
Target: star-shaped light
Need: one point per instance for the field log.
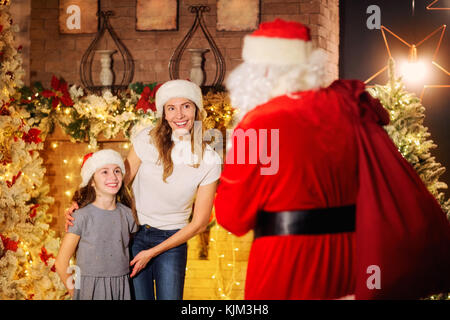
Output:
(429, 7)
(415, 68)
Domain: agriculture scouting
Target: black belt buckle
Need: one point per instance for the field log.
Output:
(306, 222)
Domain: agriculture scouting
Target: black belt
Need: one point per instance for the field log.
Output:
(314, 221)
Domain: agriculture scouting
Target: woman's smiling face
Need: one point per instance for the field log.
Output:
(180, 113)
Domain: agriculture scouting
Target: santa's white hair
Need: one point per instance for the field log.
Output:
(252, 84)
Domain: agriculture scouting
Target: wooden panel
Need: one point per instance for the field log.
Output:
(78, 16)
(238, 15)
(156, 15)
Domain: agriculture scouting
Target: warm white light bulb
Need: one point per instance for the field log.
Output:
(413, 71)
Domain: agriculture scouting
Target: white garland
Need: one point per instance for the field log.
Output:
(106, 114)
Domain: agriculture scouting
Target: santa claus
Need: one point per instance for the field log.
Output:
(344, 214)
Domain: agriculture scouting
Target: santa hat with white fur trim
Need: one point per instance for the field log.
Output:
(278, 42)
(94, 161)
(178, 89)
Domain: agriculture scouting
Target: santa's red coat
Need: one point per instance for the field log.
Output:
(334, 152)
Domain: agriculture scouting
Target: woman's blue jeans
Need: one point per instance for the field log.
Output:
(167, 270)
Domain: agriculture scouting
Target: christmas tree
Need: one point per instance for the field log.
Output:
(27, 247)
(409, 134)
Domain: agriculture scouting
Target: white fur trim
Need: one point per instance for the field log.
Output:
(178, 89)
(279, 51)
(98, 160)
(141, 125)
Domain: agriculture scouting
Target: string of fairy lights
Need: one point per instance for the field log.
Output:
(225, 285)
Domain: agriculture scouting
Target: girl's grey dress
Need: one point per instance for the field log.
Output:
(102, 255)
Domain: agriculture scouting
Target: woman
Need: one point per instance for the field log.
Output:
(173, 171)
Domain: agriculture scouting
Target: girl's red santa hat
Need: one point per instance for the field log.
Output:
(278, 42)
(94, 161)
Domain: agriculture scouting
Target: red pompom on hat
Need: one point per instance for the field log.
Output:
(87, 156)
(278, 42)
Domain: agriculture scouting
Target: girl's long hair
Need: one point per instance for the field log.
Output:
(161, 137)
(87, 195)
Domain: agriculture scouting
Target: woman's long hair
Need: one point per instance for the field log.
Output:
(87, 195)
(161, 137)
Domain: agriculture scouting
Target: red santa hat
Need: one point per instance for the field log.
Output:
(94, 161)
(278, 42)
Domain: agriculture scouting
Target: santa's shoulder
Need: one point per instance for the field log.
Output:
(268, 114)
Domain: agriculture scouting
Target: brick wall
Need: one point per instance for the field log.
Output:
(60, 54)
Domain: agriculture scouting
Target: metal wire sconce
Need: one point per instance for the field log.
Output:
(88, 57)
(178, 53)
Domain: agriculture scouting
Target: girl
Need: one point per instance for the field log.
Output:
(101, 230)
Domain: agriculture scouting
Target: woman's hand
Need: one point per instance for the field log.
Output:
(202, 211)
(68, 215)
(140, 261)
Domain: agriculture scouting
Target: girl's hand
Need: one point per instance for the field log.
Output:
(68, 215)
(71, 293)
(140, 261)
